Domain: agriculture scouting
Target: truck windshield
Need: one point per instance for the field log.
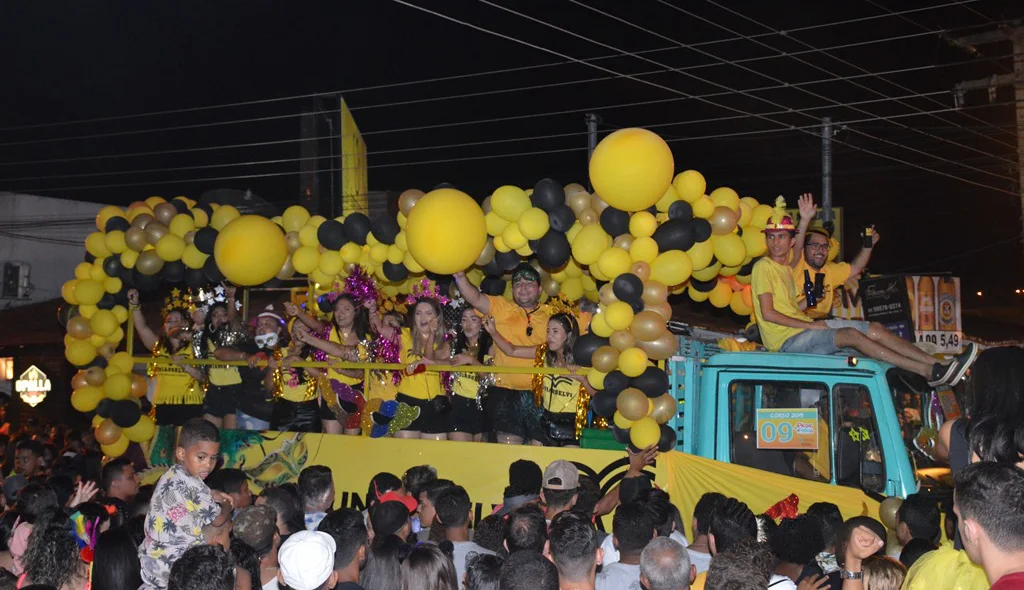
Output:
(920, 413)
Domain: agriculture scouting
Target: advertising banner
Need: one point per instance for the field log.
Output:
(787, 428)
(935, 311)
(885, 301)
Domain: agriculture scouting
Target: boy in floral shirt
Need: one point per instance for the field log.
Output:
(182, 503)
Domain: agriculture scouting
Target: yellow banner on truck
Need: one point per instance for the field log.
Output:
(354, 177)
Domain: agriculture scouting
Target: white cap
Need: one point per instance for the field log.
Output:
(306, 560)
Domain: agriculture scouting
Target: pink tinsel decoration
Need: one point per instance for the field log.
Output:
(361, 286)
(324, 334)
(425, 288)
(388, 351)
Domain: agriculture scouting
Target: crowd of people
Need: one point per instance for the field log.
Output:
(200, 527)
(348, 325)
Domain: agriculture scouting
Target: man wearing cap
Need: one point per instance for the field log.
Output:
(390, 516)
(256, 526)
(307, 561)
(561, 486)
(523, 322)
(785, 327)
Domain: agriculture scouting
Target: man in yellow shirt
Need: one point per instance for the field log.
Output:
(523, 322)
(785, 327)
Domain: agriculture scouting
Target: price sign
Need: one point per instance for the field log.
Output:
(941, 342)
(787, 428)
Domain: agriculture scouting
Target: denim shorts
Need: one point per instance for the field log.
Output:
(822, 341)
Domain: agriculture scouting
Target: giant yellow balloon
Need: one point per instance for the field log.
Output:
(446, 231)
(631, 169)
(250, 250)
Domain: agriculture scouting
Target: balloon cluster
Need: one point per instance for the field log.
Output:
(114, 393)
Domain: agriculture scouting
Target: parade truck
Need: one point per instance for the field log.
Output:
(846, 421)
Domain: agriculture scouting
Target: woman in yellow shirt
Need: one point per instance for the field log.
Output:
(472, 347)
(559, 394)
(179, 387)
(295, 391)
(221, 329)
(422, 343)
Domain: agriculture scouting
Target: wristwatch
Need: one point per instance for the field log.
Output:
(848, 575)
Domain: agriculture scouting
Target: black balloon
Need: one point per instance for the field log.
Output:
(653, 382)
(324, 303)
(674, 234)
(628, 287)
(212, 273)
(357, 227)
(112, 266)
(89, 258)
(553, 250)
(621, 435)
(507, 260)
(668, 439)
(701, 230)
(637, 306)
(99, 361)
(146, 282)
(106, 302)
(146, 405)
(65, 312)
(385, 229)
(173, 271)
(547, 195)
(443, 185)
(125, 413)
(180, 205)
(615, 222)
(615, 382)
(492, 268)
(603, 404)
(331, 234)
(395, 272)
(104, 407)
(194, 277)
(680, 210)
(747, 268)
(561, 219)
(205, 239)
(703, 286)
(583, 350)
(204, 208)
(492, 286)
(116, 223)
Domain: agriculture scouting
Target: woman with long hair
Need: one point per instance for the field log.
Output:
(179, 387)
(52, 556)
(116, 561)
(428, 568)
(472, 348)
(222, 328)
(559, 395)
(383, 570)
(296, 391)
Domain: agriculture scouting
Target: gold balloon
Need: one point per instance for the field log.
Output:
(105, 350)
(486, 205)
(607, 294)
(605, 359)
(664, 408)
(641, 269)
(95, 376)
(622, 339)
(135, 238)
(661, 349)
(654, 293)
(108, 432)
(588, 216)
(190, 237)
(723, 221)
(579, 201)
(292, 240)
(598, 204)
(79, 328)
(632, 403)
(149, 262)
(139, 385)
(164, 212)
(78, 381)
(154, 231)
(487, 254)
(664, 309)
(287, 270)
(142, 220)
(551, 287)
(408, 199)
(647, 326)
(887, 511)
(624, 241)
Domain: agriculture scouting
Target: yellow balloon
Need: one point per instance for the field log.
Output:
(572, 289)
(671, 268)
(729, 249)
(596, 379)
(632, 362)
(320, 277)
(709, 272)
(118, 386)
(701, 254)
(703, 208)
(97, 341)
(631, 169)
(612, 263)
(753, 242)
(533, 223)
(495, 223)
(181, 224)
(154, 201)
(96, 270)
(599, 327)
(446, 231)
(294, 218)
(86, 311)
(85, 399)
(645, 432)
(307, 236)
(121, 313)
(760, 215)
(670, 196)
(250, 250)
(590, 243)
(690, 185)
(80, 352)
(116, 337)
(643, 250)
(395, 254)
(115, 449)
(507, 201)
(192, 257)
(122, 360)
(88, 292)
(642, 224)
(698, 296)
(512, 237)
(224, 215)
(128, 258)
(746, 211)
(141, 431)
(83, 270)
(402, 241)
(618, 315)
(351, 252)
(201, 219)
(106, 213)
(314, 221)
(725, 197)
(379, 253)
(721, 295)
(115, 242)
(96, 244)
(67, 291)
(103, 323)
(170, 247)
(739, 306)
(621, 421)
(305, 259)
(330, 263)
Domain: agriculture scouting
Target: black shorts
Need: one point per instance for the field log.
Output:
(177, 414)
(514, 411)
(466, 416)
(222, 400)
(296, 416)
(429, 421)
(557, 429)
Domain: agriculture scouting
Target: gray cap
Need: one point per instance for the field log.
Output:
(13, 485)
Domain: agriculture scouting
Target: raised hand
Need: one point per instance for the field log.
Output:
(814, 583)
(133, 296)
(637, 461)
(83, 493)
(291, 310)
(807, 207)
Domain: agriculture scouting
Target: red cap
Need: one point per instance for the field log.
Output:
(393, 496)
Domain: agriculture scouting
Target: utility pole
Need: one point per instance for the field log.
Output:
(993, 83)
(827, 218)
(593, 120)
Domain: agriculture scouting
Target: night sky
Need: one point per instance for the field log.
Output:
(72, 61)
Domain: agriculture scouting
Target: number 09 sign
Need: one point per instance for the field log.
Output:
(787, 429)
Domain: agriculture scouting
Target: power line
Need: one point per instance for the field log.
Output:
(470, 75)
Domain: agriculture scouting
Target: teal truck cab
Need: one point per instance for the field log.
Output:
(843, 420)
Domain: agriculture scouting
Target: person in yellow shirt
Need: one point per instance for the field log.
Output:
(785, 327)
(472, 347)
(523, 322)
(221, 328)
(295, 390)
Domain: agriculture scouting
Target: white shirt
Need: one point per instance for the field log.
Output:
(462, 549)
(271, 585)
(778, 582)
(611, 554)
(701, 561)
(619, 576)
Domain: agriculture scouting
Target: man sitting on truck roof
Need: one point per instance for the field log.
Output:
(785, 327)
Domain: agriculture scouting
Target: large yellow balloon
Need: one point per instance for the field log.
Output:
(631, 169)
(632, 362)
(671, 268)
(85, 399)
(294, 218)
(250, 250)
(690, 185)
(729, 249)
(644, 432)
(509, 202)
(589, 243)
(446, 231)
